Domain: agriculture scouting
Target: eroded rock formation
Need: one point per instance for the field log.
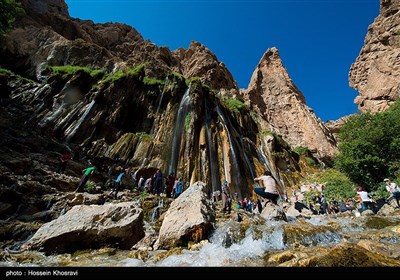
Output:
(376, 72)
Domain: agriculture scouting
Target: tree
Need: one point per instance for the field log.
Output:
(369, 148)
(9, 10)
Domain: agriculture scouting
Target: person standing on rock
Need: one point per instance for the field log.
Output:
(63, 160)
(178, 188)
(158, 181)
(171, 183)
(394, 191)
(226, 198)
(85, 177)
(270, 190)
(364, 199)
(118, 183)
(141, 183)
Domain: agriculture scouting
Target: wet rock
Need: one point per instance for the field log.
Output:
(92, 226)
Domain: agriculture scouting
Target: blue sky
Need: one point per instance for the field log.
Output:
(318, 40)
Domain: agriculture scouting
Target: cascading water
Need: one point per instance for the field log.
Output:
(203, 161)
(233, 151)
(215, 182)
(243, 245)
(158, 108)
(156, 211)
(265, 160)
(73, 128)
(52, 116)
(183, 110)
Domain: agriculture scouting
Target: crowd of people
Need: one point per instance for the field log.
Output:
(267, 191)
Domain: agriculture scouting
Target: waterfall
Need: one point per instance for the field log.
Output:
(203, 156)
(158, 108)
(265, 160)
(183, 110)
(235, 164)
(215, 182)
(156, 211)
(73, 128)
(53, 115)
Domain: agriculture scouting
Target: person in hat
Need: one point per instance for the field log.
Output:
(393, 190)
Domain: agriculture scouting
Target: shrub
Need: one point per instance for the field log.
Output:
(300, 150)
(337, 184)
(370, 147)
(90, 187)
(9, 11)
(235, 105)
(5, 72)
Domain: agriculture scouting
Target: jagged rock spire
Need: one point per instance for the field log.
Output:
(282, 108)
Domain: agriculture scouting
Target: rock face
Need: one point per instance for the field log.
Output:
(376, 72)
(179, 111)
(199, 61)
(281, 106)
(189, 218)
(92, 226)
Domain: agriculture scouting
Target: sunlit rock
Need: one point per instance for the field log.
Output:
(90, 226)
(189, 218)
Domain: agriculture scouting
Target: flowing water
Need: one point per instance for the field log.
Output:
(214, 173)
(256, 241)
(73, 128)
(183, 110)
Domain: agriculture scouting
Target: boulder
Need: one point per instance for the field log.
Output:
(90, 226)
(189, 218)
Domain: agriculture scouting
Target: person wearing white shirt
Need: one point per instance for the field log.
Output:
(365, 199)
(269, 190)
(394, 191)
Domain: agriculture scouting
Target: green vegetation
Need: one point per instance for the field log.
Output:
(397, 32)
(177, 76)
(370, 147)
(380, 191)
(9, 11)
(310, 161)
(152, 81)
(70, 70)
(5, 72)
(300, 150)
(235, 105)
(90, 187)
(188, 119)
(143, 196)
(110, 78)
(337, 184)
(144, 136)
(266, 132)
(137, 72)
(282, 143)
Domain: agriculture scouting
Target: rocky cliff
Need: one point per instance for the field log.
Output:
(282, 107)
(376, 72)
(105, 92)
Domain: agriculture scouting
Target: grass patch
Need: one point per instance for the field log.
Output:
(152, 81)
(300, 150)
(5, 72)
(235, 105)
(70, 70)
